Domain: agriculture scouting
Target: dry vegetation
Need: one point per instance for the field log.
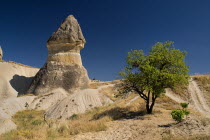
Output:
(31, 123)
(22, 95)
(204, 83)
(181, 91)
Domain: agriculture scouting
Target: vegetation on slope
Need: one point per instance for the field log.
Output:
(204, 83)
(32, 125)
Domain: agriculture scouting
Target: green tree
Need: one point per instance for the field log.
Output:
(149, 75)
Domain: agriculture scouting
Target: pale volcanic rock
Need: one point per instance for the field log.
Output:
(1, 54)
(10, 106)
(65, 44)
(63, 68)
(68, 32)
(15, 79)
(76, 103)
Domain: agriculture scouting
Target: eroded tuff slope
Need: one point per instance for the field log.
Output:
(15, 78)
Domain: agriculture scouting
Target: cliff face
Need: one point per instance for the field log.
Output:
(63, 68)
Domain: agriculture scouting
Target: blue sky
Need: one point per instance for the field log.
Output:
(111, 28)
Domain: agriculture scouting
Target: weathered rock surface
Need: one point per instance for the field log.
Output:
(6, 125)
(63, 68)
(78, 102)
(1, 54)
(68, 32)
(10, 106)
(15, 78)
(47, 100)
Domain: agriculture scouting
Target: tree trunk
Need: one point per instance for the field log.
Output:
(150, 107)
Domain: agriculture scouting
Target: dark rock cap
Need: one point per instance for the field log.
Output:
(68, 32)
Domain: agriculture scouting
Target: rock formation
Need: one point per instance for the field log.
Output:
(63, 68)
(15, 78)
(1, 54)
(77, 103)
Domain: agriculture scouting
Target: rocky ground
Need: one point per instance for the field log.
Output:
(151, 127)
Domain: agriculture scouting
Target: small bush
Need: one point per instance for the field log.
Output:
(177, 115)
(184, 105)
(186, 112)
(26, 105)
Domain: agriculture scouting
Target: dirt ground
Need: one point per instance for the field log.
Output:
(150, 127)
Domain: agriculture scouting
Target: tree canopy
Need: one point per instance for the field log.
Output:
(149, 74)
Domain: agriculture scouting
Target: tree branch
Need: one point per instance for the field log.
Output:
(141, 94)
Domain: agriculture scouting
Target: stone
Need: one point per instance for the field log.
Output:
(63, 68)
(1, 54)
(15, 79)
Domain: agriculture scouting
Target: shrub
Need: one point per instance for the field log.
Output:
(184, 105)
(26, 105)
(186, 112)
(177, 115)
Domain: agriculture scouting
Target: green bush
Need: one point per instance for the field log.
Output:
(184, 105)
(186, 112)
(177, 115)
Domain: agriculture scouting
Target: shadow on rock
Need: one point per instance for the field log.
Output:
(20, 83)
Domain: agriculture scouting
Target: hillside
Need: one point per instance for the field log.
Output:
(126, 118)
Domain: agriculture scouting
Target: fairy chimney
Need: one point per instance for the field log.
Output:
(63, 68)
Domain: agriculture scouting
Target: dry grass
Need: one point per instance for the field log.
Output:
(31, 123)
(96, 85)
(25, 95)
(197, 137)
(110, 92)
(166, 103)
(204, 83)
(30, 126)
(181, 91)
